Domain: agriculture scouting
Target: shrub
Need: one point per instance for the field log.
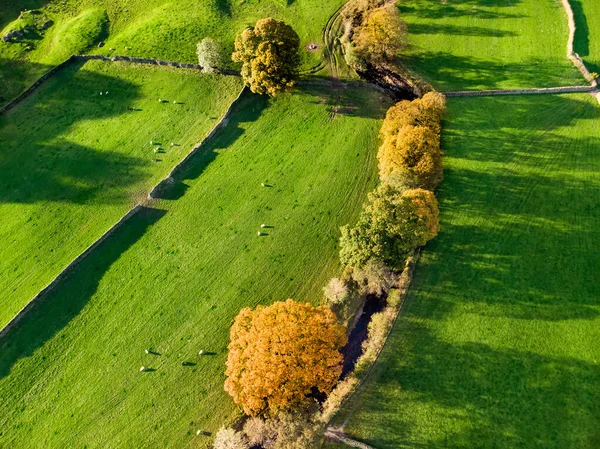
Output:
(209, 54)
(259, 433)
(382, 35)
(280, 353)
(336, 291)
(227, 438)
(375, 278)
(353, 59)
(269, 56)
(391, 226)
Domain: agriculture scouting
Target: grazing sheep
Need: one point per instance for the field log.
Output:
(174, 101)
(263, 225)
(147, 351)
(198, 432)
(151, 142)
(143, 368)
(172, 144)
(106, 93)
(201, 352)
(262, 184)
(100, 93)
(160, 100)
(258, 233)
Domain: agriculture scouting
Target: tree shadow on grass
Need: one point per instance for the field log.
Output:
(71, 294)
(582, 32)
(479, 396)
(37, 165)
(453, 30)
(435, 9)
(351, 101)
(10, 9)
(451, 72)
(248, 109)
(18, 75)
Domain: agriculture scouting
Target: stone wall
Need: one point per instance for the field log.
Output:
(547, 90)
(574, 57)
(43, 294)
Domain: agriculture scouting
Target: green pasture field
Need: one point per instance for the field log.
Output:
(497, 346)
(72, 162)
(587, 36)
(174, 277)
(146, 28)
(474, 45)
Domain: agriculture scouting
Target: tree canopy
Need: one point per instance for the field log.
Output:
(269, 56)
(280, 353)
(411, 142)
(382, 35)
(392, 225)
(209, 54)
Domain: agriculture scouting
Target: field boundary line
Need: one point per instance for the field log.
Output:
(170, 178)
(42, 294)
(574, 57)
(341, 436)
(65, 271)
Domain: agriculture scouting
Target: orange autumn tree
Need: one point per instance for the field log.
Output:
(279, 354)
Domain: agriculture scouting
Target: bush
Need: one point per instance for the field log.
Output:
(210, 54)
(280, 353)
(259, 433)
(269, 56)
(354, 60)
(227, 438)
(336, 291)
(392, 225)
(375, 278)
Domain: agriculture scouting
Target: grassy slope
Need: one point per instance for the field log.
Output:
(587, 37)
(498, 344)
(174, 278)
(153, 28)
(471, 45)
(73, 162)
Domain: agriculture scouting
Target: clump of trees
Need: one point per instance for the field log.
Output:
(410, 155)
(210, 54)
(382, 35)
(392, 225)
(377, 33)
(282, 353)
(269, 53)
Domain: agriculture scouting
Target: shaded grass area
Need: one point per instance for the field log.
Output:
(173, 279)
(488, 44)
(148, 28)
(72, 162)
(587, 36)
(497, 346)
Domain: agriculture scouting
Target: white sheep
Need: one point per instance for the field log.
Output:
(201, 352)
(147, 352)
(263, 225)
(258, 233)
(262, 184)
(142, 369)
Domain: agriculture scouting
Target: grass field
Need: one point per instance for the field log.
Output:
(587, 37)
(498, 344)
(150, 28)
(472, 45)
(73, 162)
(176, 275)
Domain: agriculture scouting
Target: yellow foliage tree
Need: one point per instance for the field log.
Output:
(382, 35)
(411, 142)
(269, 56)
(280, 353)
